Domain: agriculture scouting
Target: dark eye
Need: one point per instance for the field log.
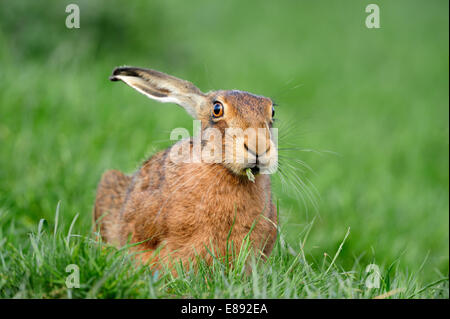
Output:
(273, 111)
(217, 109)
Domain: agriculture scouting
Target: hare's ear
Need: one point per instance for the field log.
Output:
(162, 87)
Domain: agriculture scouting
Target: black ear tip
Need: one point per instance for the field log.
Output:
(118, 70)
(125, 70)
(121, 70)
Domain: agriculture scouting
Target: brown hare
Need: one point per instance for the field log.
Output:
(177, 210)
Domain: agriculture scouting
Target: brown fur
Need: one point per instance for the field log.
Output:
(184, 209)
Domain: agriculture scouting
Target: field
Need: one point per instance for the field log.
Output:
(362, 117)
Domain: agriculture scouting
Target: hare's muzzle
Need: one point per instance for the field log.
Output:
(259, 150)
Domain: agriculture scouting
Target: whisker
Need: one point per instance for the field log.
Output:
(320, 152)
(298, 191)
(302, 163)
(305, 187)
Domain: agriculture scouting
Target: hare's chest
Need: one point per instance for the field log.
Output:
(218, 218)
(206, 208)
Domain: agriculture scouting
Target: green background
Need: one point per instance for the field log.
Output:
(371, 103)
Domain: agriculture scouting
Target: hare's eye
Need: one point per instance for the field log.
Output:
(217, 109)
(273, 111)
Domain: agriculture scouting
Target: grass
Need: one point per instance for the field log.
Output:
(41, 272)
(367, 108)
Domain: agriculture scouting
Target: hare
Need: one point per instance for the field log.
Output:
(177, 210)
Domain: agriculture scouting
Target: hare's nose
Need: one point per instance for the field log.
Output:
(257, 142)
(260, 149)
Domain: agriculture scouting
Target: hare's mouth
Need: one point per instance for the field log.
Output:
(253, 167)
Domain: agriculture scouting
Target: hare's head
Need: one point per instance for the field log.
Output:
(243, 120)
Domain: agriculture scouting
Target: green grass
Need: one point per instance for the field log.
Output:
(372, 104)
(105, 272)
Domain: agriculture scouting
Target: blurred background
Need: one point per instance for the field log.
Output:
(366, 108)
